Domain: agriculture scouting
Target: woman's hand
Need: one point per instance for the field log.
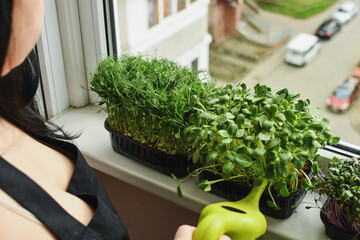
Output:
(185, 232)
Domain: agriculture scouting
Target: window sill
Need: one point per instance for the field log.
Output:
(96, 147)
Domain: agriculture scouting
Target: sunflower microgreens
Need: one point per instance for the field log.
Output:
(250, 137)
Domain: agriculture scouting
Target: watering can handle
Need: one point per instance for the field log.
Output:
(210, 227)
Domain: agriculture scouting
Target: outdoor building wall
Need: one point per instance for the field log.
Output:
(176, 37)
(223, 19)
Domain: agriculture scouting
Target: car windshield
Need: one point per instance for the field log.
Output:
(342, 10)
(342, 93)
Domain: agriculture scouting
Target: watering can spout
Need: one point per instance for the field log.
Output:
(241, 220)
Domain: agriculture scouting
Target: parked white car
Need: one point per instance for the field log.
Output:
(345, 12)
(302, 49)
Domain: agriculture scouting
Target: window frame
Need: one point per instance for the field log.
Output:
(91, 18)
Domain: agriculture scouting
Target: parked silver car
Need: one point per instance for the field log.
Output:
(345, 12)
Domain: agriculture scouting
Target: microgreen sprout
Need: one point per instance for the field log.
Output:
(257, 135)
(149, 100)
(341, 188)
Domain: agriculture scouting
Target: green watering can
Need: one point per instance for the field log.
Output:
(241, 220)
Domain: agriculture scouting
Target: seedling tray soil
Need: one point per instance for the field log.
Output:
(165, 163)
(233, 191)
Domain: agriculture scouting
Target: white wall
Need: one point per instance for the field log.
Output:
(191, 23)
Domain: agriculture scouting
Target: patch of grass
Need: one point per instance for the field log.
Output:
(296, 8)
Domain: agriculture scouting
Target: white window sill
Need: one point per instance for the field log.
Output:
(96, 147)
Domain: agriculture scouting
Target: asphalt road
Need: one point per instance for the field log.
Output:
(319, 78)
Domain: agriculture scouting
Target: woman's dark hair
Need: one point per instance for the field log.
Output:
(12, 107)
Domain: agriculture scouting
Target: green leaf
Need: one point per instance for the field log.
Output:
(240, 133)
(300, 125)
(207, 188)
(316, 126)
(306, 116)
(305, 184)
(284, 91)
(243, 160)
(236, 109)
(334, 140)
(280, 117)
(240, 119)
(270, 204)
(232, 129)
(227, 140)
(254, 110)
(259, 170)
(272, 110)
(291, 177)
(281, 169)
(258, 181)
(285, 157)
(267, 125)
(310, 134)
(210, 158)
(301, 155)
(325, 121)
(205, 185)
(290, 116)
(316, 144)
(273, 143)
(290, 146)
(315, 167)
(227, 169)
(177, 135)
(224, 98)
(283, 132)
(214, 100)
(221, 118)
(264, 136)
(284, 191)
(196, 156)
(259, 151)
(298, 163)
(223, 133)
(229, 115)
(174, 177)
(270, 172)
(246, 111)
(208, 115)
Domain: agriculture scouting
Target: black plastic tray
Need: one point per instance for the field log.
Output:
(334, 232)
(233, 191)
(165, 163)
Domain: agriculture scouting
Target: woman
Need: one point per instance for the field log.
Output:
(47, 190)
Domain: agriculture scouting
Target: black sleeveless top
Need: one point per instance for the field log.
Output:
(105, 224)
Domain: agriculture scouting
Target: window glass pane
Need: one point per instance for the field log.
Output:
(153, 14)
(194, 65)
(181, 5)
(167, 7)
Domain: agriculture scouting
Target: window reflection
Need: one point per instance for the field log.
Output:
(181, 5)
(167, 7)
(153, 14)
